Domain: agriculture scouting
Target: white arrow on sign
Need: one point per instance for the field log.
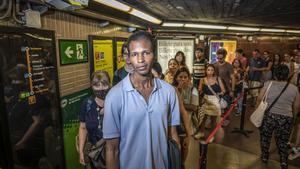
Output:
(69, 52)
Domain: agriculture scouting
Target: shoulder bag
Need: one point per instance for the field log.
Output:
(257, 116)
(223, 103)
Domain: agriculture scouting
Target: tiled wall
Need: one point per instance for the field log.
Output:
(75, 77)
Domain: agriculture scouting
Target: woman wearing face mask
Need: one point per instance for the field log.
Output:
(91, 118)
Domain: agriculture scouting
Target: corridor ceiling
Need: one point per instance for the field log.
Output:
(263, 13)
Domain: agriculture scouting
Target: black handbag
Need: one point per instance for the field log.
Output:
(174, 156)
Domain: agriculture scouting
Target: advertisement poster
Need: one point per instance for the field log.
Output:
(229, 45)
(30, 114)
(71, 105)
(167, 48)
(103, 56)
(120, 58)
(73, 51)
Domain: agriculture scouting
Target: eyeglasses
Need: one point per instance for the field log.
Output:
(144, 53)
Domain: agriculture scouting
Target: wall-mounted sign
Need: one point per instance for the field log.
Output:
(73, 51)
(229, 45)
(102, 51)
(70, 106)
(167, 48)
(120, 58)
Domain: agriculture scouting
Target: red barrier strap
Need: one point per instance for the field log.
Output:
(223, 119)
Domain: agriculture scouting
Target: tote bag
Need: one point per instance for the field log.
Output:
(257, 116)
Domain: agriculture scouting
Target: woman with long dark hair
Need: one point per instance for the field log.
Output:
(187, 102)
(210, 86)
(237, 79)
(180, 57)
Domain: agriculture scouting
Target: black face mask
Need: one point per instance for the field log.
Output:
(101, 94)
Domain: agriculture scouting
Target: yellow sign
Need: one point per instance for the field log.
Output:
(229, 45)
(120, 58)
(103, 56)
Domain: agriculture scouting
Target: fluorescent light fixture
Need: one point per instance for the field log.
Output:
(115, 4)
(272, 30)
(293, 31)
(168, 24)
(144, 16)
(238, 28)
(204, 26)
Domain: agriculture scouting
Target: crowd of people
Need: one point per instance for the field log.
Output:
(146, 107)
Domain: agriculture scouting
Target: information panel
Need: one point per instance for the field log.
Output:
(229, 45)
(167, 48)
(31, 97)
(120, 58)
(71, 106)
(102, 58)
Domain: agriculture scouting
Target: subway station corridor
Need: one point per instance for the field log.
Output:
(236, 151)
(121, 84)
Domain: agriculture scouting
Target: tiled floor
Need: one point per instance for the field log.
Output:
(235, 151)
(222, 157)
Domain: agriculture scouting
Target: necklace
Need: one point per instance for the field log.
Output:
(99, 117)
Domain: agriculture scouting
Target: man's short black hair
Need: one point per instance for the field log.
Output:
(141, 35)
(256, 50)
(199, 49)
(222, 51)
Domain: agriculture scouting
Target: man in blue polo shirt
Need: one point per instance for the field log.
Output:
(138, 112)
(256, 64)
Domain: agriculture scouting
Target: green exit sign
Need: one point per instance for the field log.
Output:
(73, 51)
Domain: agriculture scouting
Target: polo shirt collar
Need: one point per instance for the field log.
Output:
(127, 85)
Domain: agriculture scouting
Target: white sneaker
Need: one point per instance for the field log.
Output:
(199, 135)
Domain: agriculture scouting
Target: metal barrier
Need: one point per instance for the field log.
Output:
(242, 129)
(203, 146)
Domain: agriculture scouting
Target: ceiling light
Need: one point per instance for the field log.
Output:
(293, 31)
(272, 30)
(115, 4)
(204, 26)
(172, 24)
(144, 16)
(237, 28)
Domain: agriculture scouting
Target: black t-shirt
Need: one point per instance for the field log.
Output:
(119, 75)
(91, 114)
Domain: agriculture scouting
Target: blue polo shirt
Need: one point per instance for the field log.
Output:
(141, 127)
(258, 63)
